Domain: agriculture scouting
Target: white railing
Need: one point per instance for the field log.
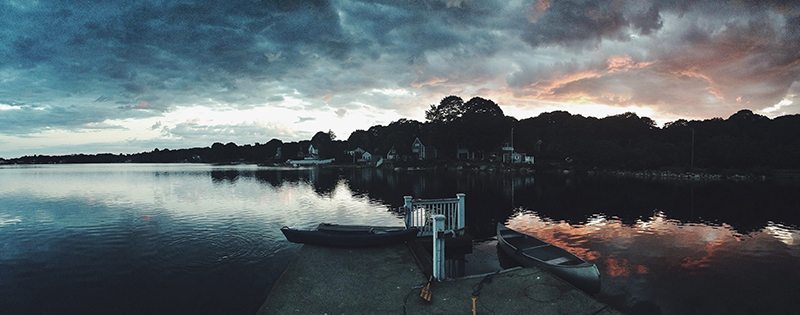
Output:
(418, 213)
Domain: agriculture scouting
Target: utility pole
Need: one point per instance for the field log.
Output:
(691, 163)
(512, 137)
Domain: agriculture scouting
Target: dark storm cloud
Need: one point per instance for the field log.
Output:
(695, 59)
(564, 22)
(411, 28)
(587, 22)
(137, 51)
(73, 64)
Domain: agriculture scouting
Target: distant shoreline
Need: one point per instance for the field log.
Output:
(494, 167)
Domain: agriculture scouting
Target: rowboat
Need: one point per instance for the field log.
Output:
(529, 251)
(349, 235)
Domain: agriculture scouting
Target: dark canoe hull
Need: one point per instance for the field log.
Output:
(532, 252)
(357, 228)
(348, 237)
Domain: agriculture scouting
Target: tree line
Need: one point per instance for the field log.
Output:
(743, 141)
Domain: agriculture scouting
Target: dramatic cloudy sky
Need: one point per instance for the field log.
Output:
(127, 76)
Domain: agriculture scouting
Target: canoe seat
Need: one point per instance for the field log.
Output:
(532, 251)
(557, 260)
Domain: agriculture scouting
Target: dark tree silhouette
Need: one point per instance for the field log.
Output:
(449, 109)
(324, 143)
(743, 141)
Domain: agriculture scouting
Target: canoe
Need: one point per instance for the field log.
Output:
(349, 235)
(530, 251)
(356, 228)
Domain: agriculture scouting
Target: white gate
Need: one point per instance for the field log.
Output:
(418, 213)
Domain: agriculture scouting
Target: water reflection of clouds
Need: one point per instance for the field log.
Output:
(9, 219)
(187, 193)
(664, 260)
(782, 233)
(689, 246)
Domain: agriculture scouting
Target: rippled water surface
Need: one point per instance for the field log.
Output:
(189, 239)
(142, 239)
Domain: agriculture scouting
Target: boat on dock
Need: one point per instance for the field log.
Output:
(327, 234)
(530, 251)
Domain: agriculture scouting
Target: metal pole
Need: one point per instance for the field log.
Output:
(407, 206)
(460, 223)
(438, 247)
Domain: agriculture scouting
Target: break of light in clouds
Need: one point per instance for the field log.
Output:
(100, 76)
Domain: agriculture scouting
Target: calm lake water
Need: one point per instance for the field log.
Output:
(205, 239)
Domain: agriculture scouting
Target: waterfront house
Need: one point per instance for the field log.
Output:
(365, 157)
(527, 159)
(510, 155)
(391, 155)
(311, 156)
(521, 158)
(313, 152)
(360, 155)
(418, 149)
(507, 153)
(355, 152)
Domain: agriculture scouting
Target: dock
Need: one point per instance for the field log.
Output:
(387, 280)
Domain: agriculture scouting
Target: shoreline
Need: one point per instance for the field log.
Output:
(522, 169)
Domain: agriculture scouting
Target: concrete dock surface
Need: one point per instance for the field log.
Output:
(386, 280)
(517, 291)
(325, 280)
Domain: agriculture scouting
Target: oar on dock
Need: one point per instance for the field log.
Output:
(426, 294)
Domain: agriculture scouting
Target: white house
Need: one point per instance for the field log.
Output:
(517, 157)
(528, 159)
(360, 155)
(418, 148)
(509, 155)
(365, 157)
(313, 152)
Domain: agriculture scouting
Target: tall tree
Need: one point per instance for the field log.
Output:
(323, 142)
(449, 109)
(482, 126)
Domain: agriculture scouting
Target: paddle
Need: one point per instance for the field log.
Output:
(426, 294)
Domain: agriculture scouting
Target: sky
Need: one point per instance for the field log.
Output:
(131, 76)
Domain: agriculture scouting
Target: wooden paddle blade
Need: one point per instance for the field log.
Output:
(426, 293)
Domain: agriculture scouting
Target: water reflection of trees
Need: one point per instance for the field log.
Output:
(489, 195)
(745, 206)
(224, 176)
(493, 196)
(322, 184)
(639, 232)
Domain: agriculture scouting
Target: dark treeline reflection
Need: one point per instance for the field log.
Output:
(744, 205)
(493, 197)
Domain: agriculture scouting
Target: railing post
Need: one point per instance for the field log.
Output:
(438, 247)
(461, 211)
(407, 206)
